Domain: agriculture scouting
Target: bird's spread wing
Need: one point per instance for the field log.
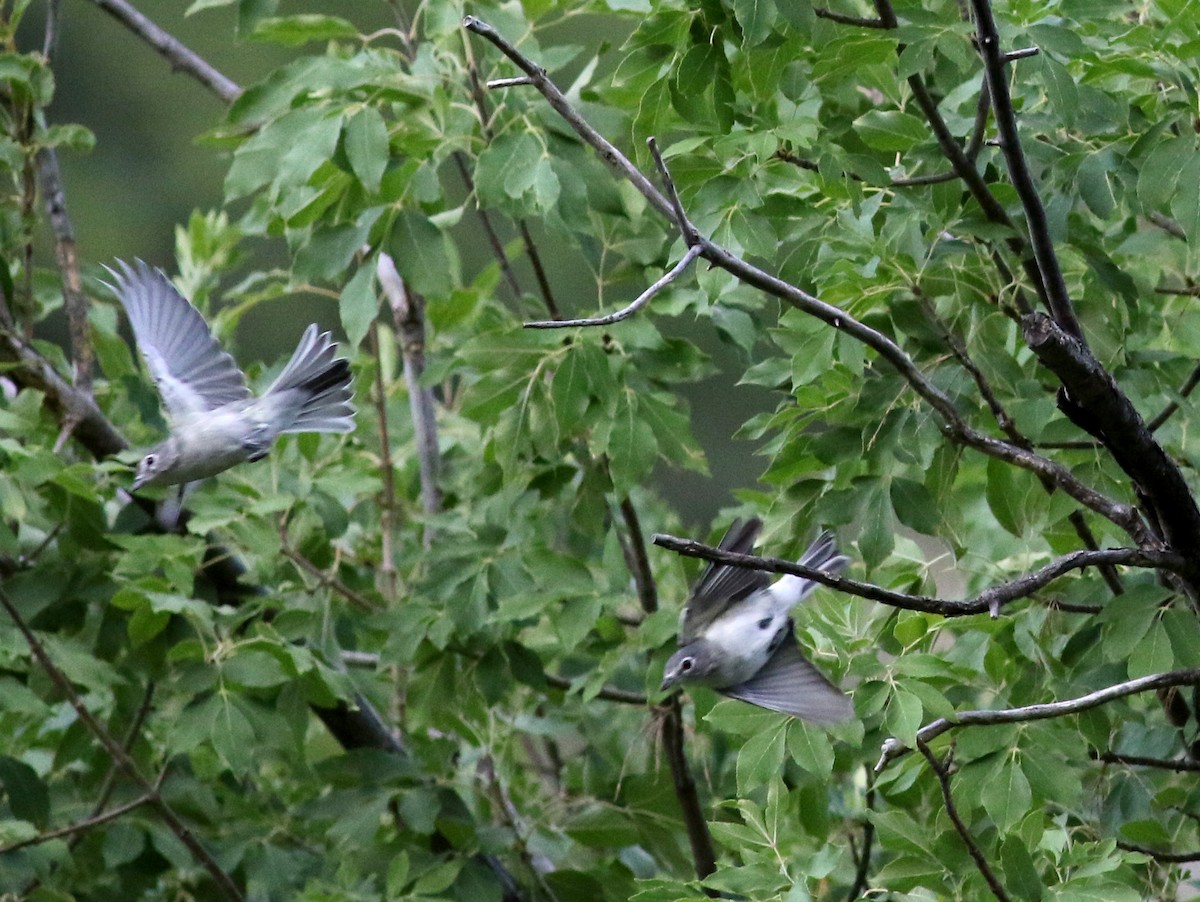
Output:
(788, 683)
(721, 585)
(193, 374)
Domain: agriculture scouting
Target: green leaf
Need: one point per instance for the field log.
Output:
(891, 130)
(366, 141)
(1006, 795)
(902, 717)
(28, 797)
(761, 756)
(358, 305)
(294, 31)
(757, 18)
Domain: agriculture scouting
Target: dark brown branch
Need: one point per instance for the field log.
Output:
(357, 599)
(893, 748)
(121, 758)
(990, 600)
(942, 771)
(180, 57)
(1178, 765)
(634, 548)
(863, 870)
(1094, 402)
(608, 693)
(1168, 411)
(994, 63)
(625, 312)
(954, 426)
(703, 855)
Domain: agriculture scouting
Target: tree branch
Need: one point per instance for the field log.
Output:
(1179, 765)
(79, 827)
(942, 771)
(1094, 402)
(956, 428)
(990, 600)
(894, 748)
(179, 56)
(995, 66)
(638, 303)
(408, 312)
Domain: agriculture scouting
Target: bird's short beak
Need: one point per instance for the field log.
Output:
(138, 482)
(667, 683)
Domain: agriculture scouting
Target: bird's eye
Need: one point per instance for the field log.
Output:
(764, 623)
(150, 461)
(685, 665)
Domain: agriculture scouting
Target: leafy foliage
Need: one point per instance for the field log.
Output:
(507, 633)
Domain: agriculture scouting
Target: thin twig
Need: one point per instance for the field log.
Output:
(990, 600)
(179, 56)
(1167, 224)
(408, 312)
(894, 748)
(1178, 765)
(634, 547)
(942, 771)
(120, 757)
(608, 693)
(1185, 391)
(686, 229)
(77, 829)
(326, 579)
(699, 838)
(638, 303)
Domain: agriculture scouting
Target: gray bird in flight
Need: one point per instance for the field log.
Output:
(215, 421)
(735, 634)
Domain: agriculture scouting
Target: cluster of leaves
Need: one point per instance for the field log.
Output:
(509, 633)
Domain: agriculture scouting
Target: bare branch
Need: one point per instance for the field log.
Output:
(80, 827)
(179, 56)
(638, 303)
(634, 548)
(942, 771)
(686, 229)
(703, 855)
(357, 599)
(408, 312)
(1167, 224)
(120, 757)
(893, 748)
(1168, 411)
(1178, 765)
(990, 600)
(608, 693)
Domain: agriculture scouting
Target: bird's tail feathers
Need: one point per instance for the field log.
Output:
(322, 381)
(821, 555)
